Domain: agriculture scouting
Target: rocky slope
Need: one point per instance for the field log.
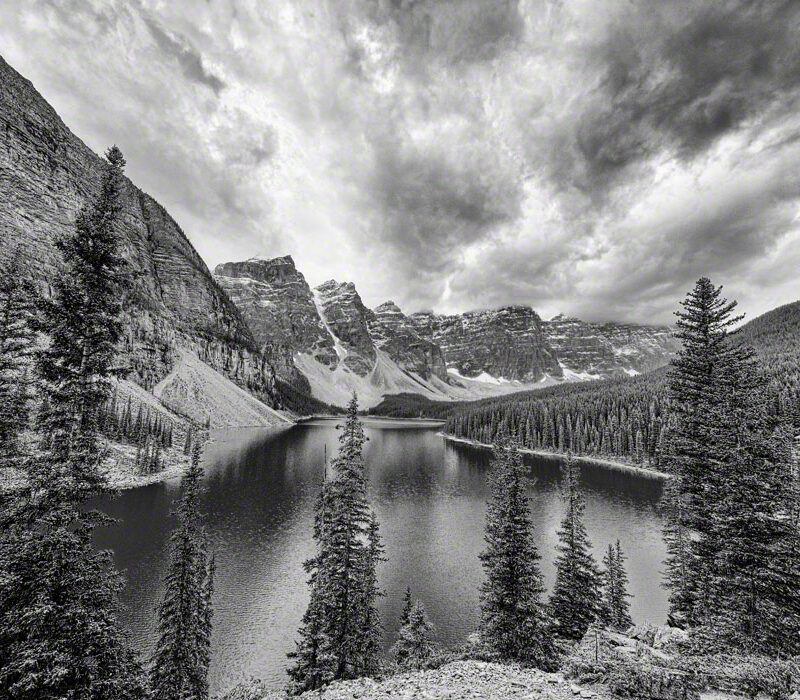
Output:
(345, 317)
(337, 344)
(506, 343)
(170, 299)
(394, 333)
(602, 350)
(456, 680)
(279, 307)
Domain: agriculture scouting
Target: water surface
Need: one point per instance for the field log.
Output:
(430, 498)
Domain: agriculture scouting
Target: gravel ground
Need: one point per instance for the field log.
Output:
(463, 679)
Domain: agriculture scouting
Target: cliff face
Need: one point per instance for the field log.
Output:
(345, 316)
(280, 310)
(609, 349)
(170, 299)
(507, 342)
(394, 333)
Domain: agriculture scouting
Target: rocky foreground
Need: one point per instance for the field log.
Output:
(463, 679)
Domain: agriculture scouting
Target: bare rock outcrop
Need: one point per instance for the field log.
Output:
(170, 298)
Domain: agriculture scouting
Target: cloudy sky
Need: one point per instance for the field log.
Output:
(579, 156)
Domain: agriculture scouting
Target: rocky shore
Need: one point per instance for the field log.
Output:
(461, 680)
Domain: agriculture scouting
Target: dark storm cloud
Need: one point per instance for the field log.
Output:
(435, 204)
(678, 77)
(457, 30)
(191, 61)
(585, 157)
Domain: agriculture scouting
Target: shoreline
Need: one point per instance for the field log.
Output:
(599, 461)
(427, 422)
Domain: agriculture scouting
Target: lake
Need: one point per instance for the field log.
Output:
(430, 498)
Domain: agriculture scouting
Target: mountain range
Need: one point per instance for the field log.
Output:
(339, 345)
(257, 325)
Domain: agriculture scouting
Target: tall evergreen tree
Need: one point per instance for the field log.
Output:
(702, 326)
(16, 347)
(59, 636)
(340, 629)
(575, 600)
(755, 586)
(180, 663)
(615, 605)
(514, 621)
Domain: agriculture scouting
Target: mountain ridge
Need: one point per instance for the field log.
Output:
(171, 303)
(340, 346)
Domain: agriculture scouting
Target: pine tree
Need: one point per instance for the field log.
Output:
(16, 348)
(702, 326)
(615, 606)
(180, 663)
(575, 600)
(340, 629)
(59, 636)
(514, 622)
(755, 588)
(407, 605)
(415, 647)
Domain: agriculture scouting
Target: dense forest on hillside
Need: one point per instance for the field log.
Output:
(616, 418)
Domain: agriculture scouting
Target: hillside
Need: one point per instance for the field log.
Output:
(171, 302)
(617, 418)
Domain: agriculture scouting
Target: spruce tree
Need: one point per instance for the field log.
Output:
(16, 347)
(408, 602)
(180, 662)
(514, 622)
(703, 325)
(575, 600)
(755, 586)
(415, 647)
(59, 636)
(615, 606)
(340, 629)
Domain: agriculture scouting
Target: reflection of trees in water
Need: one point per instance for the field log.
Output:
(430, 496)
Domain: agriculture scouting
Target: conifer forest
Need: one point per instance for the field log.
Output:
(437, 349)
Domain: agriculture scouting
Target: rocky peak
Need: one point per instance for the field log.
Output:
(272, 271)
(278, 305)
(346, 318)
(507, 342)
(394, 333)
(609, 349)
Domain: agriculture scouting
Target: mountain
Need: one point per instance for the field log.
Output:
(506, 343)
(604, 350)
(395, 333)
(171, 302)
(338, 345)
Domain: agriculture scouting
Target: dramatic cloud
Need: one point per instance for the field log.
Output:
(592, 158)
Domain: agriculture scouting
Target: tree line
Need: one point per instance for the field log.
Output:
(628, 418)
(59, 631)
(340, 634)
